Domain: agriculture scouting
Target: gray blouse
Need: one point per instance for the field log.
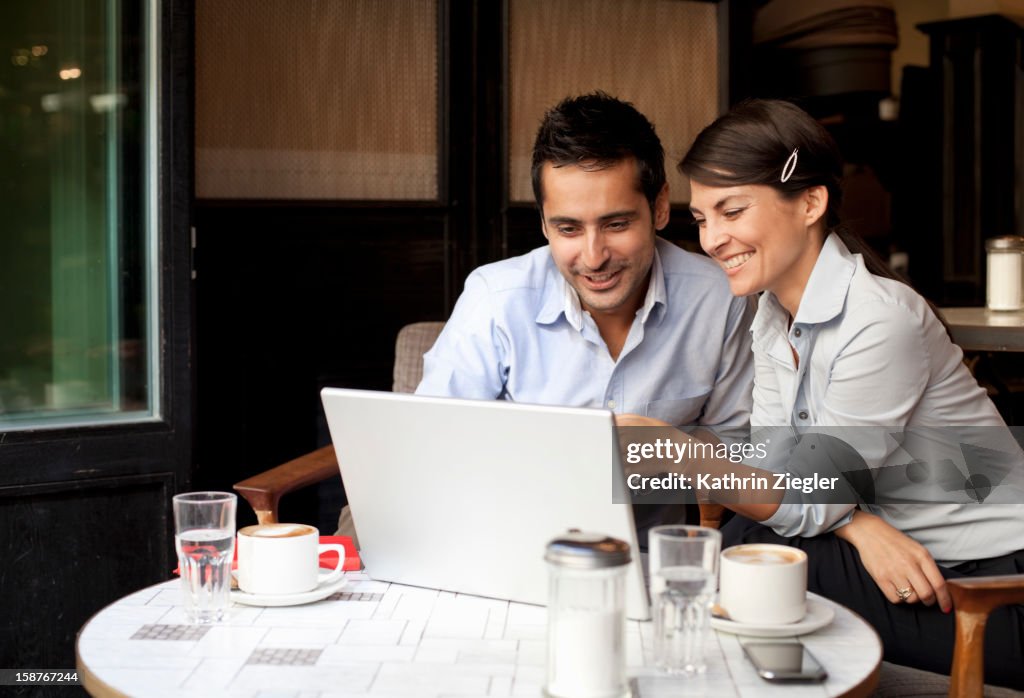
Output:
(877, 370)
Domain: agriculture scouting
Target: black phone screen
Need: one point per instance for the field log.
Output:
(784, 661)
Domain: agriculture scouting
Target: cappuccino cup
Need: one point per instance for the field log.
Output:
(763, 583)
(283, 558)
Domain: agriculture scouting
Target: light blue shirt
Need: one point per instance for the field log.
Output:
(875, 362)
(518, 332)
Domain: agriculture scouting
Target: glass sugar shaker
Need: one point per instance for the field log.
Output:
(1005, 266)
(587, 616)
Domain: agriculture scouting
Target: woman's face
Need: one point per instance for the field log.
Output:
(763, 241)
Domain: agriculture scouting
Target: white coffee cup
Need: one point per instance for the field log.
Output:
(283, 559)
(763, 583)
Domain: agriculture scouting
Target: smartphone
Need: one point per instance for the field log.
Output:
(784, 661)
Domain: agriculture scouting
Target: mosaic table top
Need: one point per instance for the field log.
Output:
(378, 639)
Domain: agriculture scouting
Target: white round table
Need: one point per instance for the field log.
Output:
(379, 639)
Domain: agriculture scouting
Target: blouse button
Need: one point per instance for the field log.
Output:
(797, 332)
(802, 414)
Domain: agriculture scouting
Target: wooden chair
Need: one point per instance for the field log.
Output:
(974, 599)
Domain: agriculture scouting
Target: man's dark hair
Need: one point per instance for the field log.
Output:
(597, 131)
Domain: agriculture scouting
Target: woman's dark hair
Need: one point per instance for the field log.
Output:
(752, 144)
(599, 131)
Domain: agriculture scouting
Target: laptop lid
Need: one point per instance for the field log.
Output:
(464, 495)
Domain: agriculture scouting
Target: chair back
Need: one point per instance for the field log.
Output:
(413, 342)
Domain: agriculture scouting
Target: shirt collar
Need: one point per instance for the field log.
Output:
(561, 298)
(828, 285)
(656, 293)
(823, 297)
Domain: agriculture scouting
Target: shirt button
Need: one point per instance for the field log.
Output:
(797, 332)
(802, 414)
(611, 404)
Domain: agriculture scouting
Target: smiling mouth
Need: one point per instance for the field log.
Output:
(737, 260)
(597, 282)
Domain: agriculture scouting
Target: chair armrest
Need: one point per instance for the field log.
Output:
(974, 598)
(711, 514)
(264, 491)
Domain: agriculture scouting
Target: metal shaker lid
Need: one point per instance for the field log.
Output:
(1005, 242)
(587, 551)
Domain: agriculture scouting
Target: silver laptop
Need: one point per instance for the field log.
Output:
(463, 495)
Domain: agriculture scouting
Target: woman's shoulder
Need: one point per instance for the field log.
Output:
(889, 321)
(870, 294)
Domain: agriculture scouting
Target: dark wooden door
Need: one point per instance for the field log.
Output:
(85, 510)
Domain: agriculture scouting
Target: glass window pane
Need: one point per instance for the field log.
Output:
(73, 190)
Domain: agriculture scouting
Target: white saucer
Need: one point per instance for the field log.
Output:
(819, 614)
(317, 594)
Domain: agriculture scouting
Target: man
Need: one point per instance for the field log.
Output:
(607, 314)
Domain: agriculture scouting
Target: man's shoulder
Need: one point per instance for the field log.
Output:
(691, 270)
(525, 272)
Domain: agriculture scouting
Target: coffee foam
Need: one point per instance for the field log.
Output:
(753, 555)
(277, 530)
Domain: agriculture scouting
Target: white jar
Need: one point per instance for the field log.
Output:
(587, 617)
(1005, 271)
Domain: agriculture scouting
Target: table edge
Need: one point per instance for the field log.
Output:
(94, 685)
(866, 687)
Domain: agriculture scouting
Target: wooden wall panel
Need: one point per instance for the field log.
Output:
(71, 548)
(661, 55)
(299, 99)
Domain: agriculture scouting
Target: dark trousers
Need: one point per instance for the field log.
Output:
(912, 634)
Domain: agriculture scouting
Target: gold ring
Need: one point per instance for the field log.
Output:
(904, 593)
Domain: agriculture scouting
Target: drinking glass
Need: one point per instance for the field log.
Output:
(684, 571)
(204, 535)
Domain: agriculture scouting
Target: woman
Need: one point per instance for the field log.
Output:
(840, 343)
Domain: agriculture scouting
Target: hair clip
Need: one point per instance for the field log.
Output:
(787, 169)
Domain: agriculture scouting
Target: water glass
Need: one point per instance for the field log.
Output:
(204, 535)
(684, 571)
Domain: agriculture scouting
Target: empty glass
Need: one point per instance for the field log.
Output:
(684, 572)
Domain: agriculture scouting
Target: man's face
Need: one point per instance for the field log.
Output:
(601, 233)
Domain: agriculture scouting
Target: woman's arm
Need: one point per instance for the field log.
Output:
(875, 384)
(757, 506)
(893, 559)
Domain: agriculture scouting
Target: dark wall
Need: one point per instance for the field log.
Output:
(976, 82)
(290, 299)
(943, 177)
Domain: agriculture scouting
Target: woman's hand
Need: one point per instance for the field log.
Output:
(896, 562)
